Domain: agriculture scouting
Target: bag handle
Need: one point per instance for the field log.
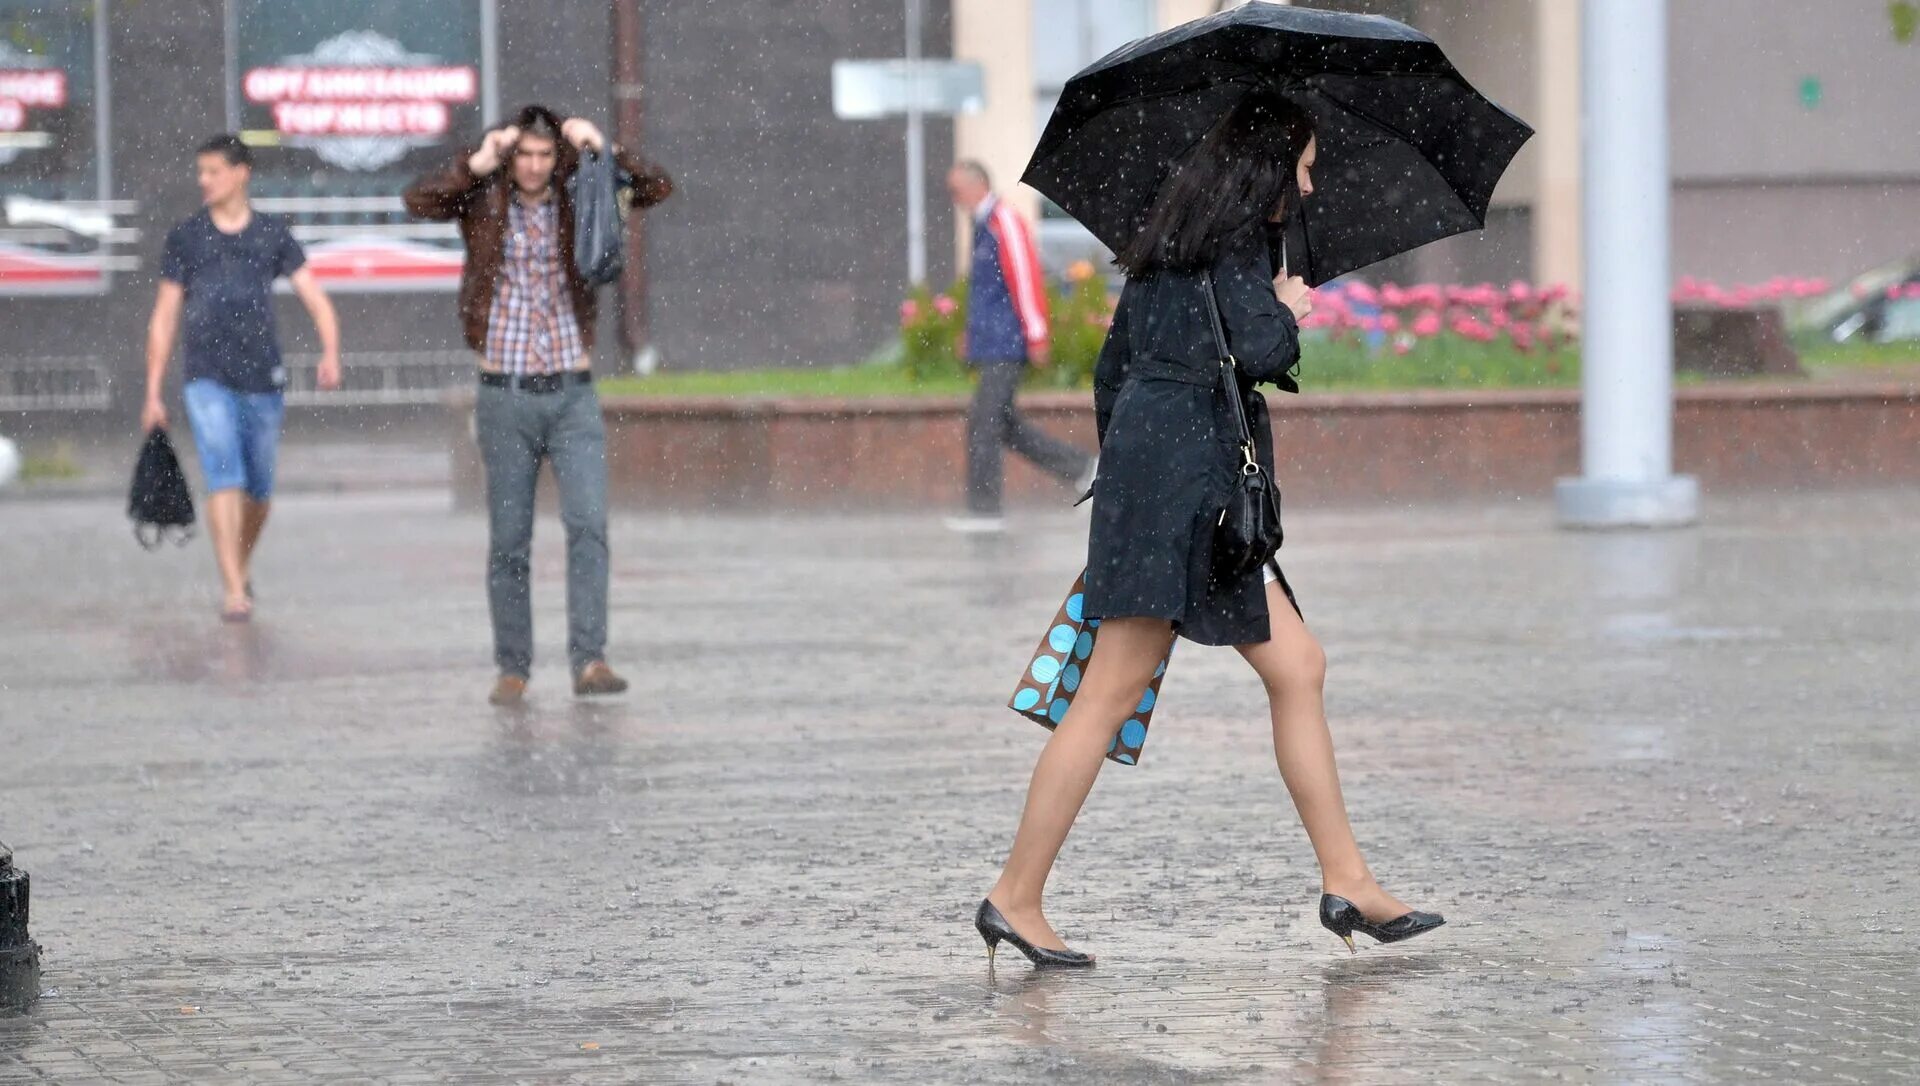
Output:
(1229, 368)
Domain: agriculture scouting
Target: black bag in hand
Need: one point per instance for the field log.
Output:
(159, 499)
(1248, 532)
(599, 248)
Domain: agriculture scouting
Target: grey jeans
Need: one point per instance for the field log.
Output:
(994, 422)
(517, 430)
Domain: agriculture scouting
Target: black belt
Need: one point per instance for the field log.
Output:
(536, 382)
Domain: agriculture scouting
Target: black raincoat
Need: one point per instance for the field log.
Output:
(1168, 448)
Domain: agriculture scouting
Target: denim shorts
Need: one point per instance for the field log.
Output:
(237, 434)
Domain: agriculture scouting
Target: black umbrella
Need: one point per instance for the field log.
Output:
(1409, 152)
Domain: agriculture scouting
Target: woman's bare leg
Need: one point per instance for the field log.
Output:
(1293, 667)
(1124, 658)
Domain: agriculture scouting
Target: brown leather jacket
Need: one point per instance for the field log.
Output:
(479, 205)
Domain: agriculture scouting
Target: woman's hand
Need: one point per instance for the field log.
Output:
(1293, 292)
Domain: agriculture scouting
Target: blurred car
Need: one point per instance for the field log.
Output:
(1881, 306)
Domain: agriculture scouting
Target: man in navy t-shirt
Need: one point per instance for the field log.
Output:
(218, 270)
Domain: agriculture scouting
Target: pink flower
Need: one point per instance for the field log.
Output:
(1427, 324)
(1402, 345)
(1362, 293)
(1389, 322)
(1520, 291)
(1522, 336)
(945, 306)
(909, 311)
(1393, 297)
(1471, 328)
(1486, 295)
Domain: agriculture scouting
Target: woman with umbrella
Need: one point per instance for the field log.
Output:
(1187, 156)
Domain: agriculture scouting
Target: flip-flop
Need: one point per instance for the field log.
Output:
(236, 616)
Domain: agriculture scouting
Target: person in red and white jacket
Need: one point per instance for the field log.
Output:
(1007, 331)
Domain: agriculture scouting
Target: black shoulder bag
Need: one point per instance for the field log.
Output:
(1248, 532)
(599, 249)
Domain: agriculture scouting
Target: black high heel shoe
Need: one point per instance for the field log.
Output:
(993, 928)
(1343, 918)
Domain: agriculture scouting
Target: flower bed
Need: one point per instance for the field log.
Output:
(1428, 335)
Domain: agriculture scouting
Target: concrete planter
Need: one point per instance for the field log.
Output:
(1333, 448)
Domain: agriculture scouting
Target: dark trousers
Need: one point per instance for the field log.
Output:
(993, 423)
(517, 430)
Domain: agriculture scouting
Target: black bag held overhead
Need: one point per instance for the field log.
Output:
(1248, 532)
(598, 245)
(159, 498)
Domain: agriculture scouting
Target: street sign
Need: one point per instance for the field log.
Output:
(871, 89)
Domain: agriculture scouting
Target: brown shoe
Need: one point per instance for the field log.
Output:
(598, 678)
(508, 690)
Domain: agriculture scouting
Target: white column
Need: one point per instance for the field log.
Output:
(999, 35)
(916, 155)
(1171, 13)
(1626, 417)
(1556, 104)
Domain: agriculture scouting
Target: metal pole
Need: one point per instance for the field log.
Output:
(916, 154)
(1626, 419)
(629, 117)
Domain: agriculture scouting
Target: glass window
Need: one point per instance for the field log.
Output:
(1068, 35)
(345, 103)
(1900, 320)
(56, 235)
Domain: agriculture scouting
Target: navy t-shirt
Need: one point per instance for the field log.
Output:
(228, 332)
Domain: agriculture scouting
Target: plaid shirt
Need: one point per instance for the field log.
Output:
(531, 328)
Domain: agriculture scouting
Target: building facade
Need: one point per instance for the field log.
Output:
(1793, 133)
(784, 244)
(1793, 151)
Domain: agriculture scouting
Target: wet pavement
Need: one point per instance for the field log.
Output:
(1661, 784)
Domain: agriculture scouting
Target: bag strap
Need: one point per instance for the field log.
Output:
(1213, 316)
(1229, 369)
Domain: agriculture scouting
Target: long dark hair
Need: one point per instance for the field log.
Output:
(1239, 173)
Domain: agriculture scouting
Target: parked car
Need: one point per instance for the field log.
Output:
(1881, 306)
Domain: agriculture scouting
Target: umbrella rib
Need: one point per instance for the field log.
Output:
(1394, 129)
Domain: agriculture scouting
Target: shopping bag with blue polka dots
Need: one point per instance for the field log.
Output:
(1047, 686)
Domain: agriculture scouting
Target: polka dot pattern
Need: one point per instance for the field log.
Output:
(1045, 669)
(1046, 689)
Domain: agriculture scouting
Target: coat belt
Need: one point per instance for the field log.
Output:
(1156, 369)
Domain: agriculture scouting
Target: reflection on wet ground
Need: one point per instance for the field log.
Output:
(1658, 782)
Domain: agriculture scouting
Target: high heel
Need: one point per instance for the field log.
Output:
(1343, 918)
(994, 928)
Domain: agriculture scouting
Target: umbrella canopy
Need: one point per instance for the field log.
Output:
(1409, 152)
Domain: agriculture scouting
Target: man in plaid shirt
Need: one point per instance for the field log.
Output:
(529, 315)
